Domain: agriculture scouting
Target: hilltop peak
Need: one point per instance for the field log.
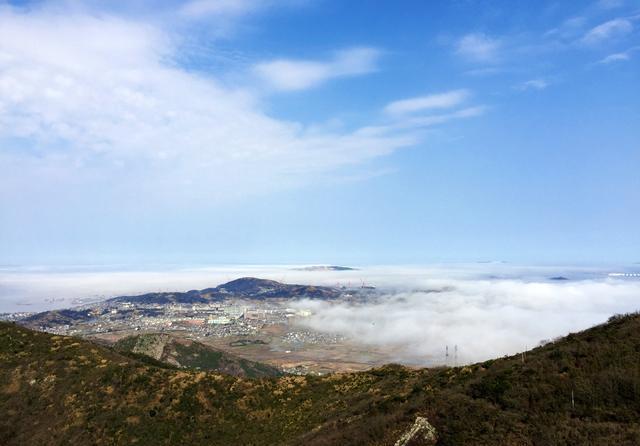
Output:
(252, 287)
(249, 285)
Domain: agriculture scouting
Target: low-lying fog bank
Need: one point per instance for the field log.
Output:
(483, 318)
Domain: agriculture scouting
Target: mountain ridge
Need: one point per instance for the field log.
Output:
(582, 389)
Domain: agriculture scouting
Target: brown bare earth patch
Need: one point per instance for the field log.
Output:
(14, 382)
(133, 419)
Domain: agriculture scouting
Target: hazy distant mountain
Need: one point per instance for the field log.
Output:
(243, 288)
(246, 287)
(325, 268)
(580, 390)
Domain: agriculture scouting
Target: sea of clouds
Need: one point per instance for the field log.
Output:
(479, 310)
(476, 319)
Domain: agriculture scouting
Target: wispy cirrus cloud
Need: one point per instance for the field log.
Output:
(418, 112)
(569, 29)
(231, 9)
(478, 47)
(292, 74)
(419, 122)
(533, 84)
(431, 120)
(615, 57)
(619, 57)
(429, 102)
(610, 4)
(607, 30)
(224, 8)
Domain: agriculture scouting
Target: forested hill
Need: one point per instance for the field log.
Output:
(581, 390)
(186, 353)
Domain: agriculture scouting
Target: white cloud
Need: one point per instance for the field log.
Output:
(225, 17)
(232, 9)
(288, 75)
(569, 29)
(431, 120)
(434, 101)
(420, 122)
(483, 318)
(406, 112)
(608, 30)
(94, 107)
(619, 57)
(485, 71)
(534, 84)
(610, 4)
(225, 8)
(616, 57)
(478, 47)
(95, 113)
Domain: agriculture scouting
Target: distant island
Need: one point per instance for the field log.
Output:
(326, 268)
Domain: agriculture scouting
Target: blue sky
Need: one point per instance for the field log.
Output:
(319, 131)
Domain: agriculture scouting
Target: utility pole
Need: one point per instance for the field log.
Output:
(573, 403)
(455, 355)
(446, 355)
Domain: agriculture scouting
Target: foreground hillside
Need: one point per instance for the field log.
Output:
(581, 390)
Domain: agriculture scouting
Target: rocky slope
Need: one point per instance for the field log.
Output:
(185, 353)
